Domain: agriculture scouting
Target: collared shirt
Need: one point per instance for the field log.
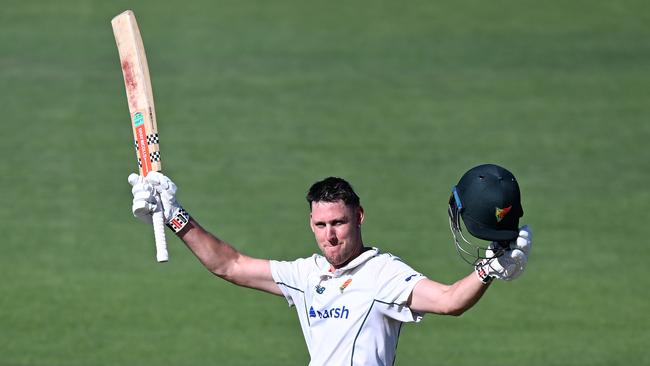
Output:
(353, 315)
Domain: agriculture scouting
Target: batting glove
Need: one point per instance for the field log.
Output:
(510, 263)
(157, 192)
(175, 216)
(144, 198)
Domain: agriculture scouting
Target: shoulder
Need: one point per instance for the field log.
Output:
(295, 274)
(384, 262)
(390, 266)
(305, 264)
(389, 259)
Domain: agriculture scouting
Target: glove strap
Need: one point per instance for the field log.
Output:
(178, 220)
(481, 271)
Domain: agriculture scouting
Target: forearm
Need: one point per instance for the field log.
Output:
(465, 293)
(434, 297)
(215, 254)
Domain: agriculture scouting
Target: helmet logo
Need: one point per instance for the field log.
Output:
(502, 212)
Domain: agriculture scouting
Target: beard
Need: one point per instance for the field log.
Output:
(340, 256)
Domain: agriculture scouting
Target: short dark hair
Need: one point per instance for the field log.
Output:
(333, 189)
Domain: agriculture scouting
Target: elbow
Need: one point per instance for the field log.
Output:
(457, 312)
(219, 270)
(223, 273)
(228, 273)
(228, 276)
(454, 311)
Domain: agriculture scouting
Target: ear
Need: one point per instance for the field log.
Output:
(360, 215)
(311, 224)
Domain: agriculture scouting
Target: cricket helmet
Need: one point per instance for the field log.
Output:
(488, 200)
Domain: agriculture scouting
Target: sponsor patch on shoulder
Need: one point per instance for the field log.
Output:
(411, 277)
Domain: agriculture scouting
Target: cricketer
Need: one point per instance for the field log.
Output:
(352, 298)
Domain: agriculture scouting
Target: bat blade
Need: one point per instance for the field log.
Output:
(135, 69)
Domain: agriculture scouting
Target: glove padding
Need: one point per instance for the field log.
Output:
(509, 264)
(145, 200)
(153, 193)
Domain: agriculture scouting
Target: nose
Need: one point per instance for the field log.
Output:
(331, 235)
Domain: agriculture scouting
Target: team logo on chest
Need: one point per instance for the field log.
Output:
(345, 284)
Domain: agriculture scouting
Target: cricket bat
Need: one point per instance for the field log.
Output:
(141, 108)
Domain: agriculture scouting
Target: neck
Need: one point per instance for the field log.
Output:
(360, 249)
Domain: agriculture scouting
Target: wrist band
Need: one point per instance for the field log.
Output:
(482, 274)
(179, 220)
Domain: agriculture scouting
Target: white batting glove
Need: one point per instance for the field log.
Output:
(511, 263)
(175, 216)
(144, 198)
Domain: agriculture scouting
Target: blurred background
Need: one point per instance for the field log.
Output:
(255, 101)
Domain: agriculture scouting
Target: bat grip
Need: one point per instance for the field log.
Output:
(159, 233)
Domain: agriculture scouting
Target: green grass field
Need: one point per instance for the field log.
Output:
(257, 100)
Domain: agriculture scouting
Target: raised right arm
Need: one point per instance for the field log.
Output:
(219, 257)
(225, 261)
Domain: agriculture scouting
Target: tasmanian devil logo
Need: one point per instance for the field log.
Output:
(502, 212)
(345, 284)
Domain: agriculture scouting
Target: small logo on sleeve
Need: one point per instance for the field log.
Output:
(411, 276)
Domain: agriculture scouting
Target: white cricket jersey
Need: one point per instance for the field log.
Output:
(351, 316)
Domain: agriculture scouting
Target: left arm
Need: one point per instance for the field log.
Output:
(434, 297)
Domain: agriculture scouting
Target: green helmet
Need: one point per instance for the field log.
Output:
(488, 200)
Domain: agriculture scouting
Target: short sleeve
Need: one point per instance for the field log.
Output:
(292, 276)
(396, 283)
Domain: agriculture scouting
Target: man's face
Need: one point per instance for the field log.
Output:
(337, 229)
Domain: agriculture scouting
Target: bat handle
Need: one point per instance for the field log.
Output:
(159, 234)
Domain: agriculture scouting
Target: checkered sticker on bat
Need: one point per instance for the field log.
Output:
(152, 139)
